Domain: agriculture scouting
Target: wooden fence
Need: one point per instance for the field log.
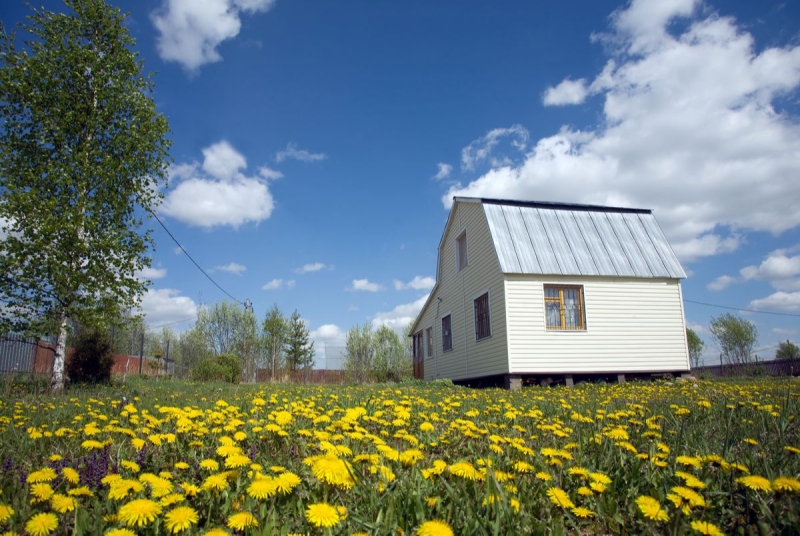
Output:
(775, 367)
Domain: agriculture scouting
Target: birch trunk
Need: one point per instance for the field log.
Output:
(57, 376)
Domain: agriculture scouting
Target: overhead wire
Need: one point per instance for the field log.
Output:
(195, 262)
(742, 309)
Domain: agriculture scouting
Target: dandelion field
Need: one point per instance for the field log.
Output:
(174, 457)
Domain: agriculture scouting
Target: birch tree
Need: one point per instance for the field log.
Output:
(82, 152)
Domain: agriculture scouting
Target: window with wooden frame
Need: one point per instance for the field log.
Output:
(461, 251)
(447, 333)
(564, 307)
(483, 327)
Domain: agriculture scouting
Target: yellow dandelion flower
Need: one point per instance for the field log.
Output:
(215, 482)
(41, 524)
(597, 487)
(41, 492)
(120, 532)
(287, 481)
(600, 477)
(71, 475)
(541, 475)
(242, 520)
(216, 532)
(786, 484)
(322, 515)
(523, 467)
(704, 527)
(464, 470)
(210, 465)
(180, 518)
(434, 528)
(181, 465)
(411, 457)
(586, 492)
(237, 460)
(426, 427)
(42, 475)
(689, 495)
(172, 498)
(651, 508)
(81, 491)
(334, 471)
(262, 489)
(63, 504)
(689, 460)
(5, 513)
(755, 482)
(432, 502)
(560, 498)
(582, 512)
(514, 504)
(91, 444)
(139, 512)
(130, 466)
(579, 471)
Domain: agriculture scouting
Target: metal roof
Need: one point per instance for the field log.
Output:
(564, 239)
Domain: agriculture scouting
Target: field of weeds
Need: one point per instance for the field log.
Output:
(168, 457)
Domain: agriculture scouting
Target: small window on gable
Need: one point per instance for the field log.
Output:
(564, 307)
(461, 251)
(483, 327)
(429, 342)
(447, 334)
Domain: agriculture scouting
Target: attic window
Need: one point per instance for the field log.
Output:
(564, 307)
(461, 251)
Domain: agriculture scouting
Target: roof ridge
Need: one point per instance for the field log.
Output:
(553, 205)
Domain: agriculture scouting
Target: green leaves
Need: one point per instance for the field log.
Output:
(82, 153)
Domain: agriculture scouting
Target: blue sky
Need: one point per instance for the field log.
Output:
(317, 144)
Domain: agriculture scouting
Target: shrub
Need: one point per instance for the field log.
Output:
(232, 366)
(93, 358)
(208, 370)
(224, 367)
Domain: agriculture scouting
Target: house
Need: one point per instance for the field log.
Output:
(547, 292)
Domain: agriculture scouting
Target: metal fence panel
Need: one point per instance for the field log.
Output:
(17, 354)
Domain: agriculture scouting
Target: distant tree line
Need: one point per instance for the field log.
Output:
(737, 339)
(377, 356)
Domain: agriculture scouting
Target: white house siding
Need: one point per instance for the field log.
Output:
(632, 325)
(468, 358)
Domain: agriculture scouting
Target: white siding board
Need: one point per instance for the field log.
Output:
(468, 358)
(633, 325)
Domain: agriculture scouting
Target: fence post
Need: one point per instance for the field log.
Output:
(141, 354)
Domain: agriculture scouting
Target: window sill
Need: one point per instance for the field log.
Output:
(483, 339)
(559, 330)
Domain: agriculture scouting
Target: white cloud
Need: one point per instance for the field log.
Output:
(418, 283)
(222, 161)
(780, 301)
(219, 194)
(331, 333)
(782, 272)
(190, 30)
(276, 284)
(697, 328)
(482, 148)
(567, 92)
(148, 272)
(365, 284)
(721, 283)
(232, 267)
(399, 317)
(783, 331)
(308, 268)
(689, 124)
(5, 224)
(292, 152)
(166, 305)
(444, 171)
(269, 173)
